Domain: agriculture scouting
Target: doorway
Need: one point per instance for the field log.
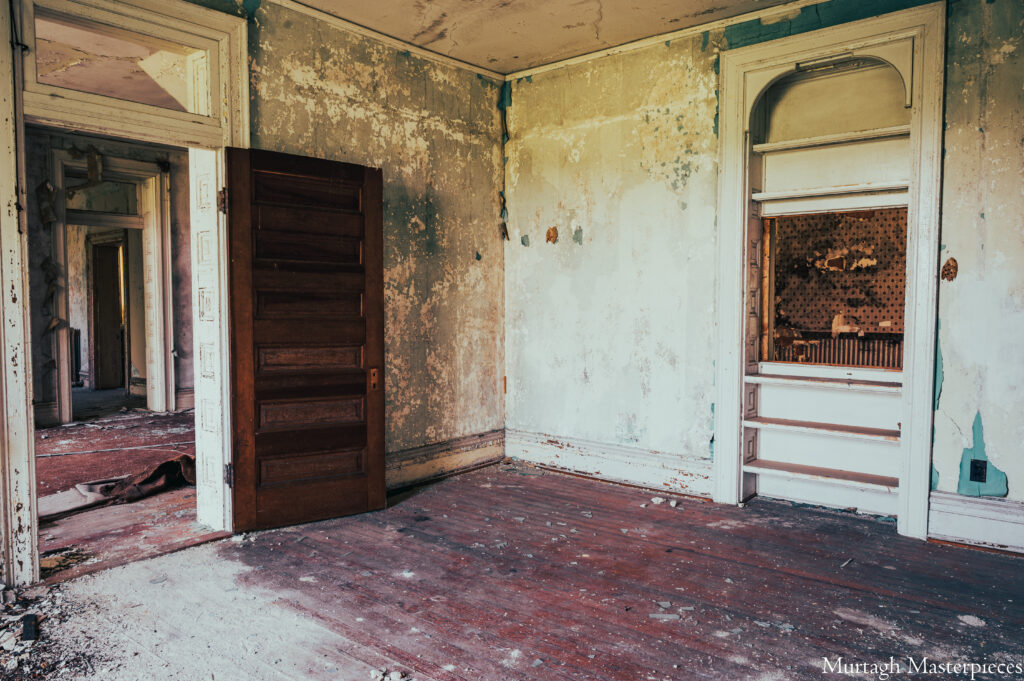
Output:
(828, 203)
(209, 111)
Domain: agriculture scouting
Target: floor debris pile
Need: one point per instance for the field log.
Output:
(26, 652)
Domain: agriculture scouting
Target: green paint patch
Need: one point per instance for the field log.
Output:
(478, 256)
(995, 480)
(505, 95)
(705, 37)
(525, 240)
(935, 473)
(577, 235)
(812, 17)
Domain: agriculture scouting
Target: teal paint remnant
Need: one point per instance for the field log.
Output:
(577, 235)
(505, 96)
(525, 240)
(995, 480)
(668, 43)
(504, 207)
(935, 473)
(939, 375)
(812, 17)
(705, 37)
(250, 7)
(478, 256)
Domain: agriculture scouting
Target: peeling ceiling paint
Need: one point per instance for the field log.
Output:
(513, 35)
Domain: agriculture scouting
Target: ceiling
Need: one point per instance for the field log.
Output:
(514, 35)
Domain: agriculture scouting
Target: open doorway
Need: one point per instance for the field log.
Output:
(110, 295)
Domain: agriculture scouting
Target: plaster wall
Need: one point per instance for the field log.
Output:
(610, 325)
(319, 90)
(981, 311)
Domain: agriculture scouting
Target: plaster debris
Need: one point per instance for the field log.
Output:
(666, 616)
(971, 620)
(657, 500)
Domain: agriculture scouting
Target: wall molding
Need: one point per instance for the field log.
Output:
(416, 465)
(671, 472)
(184, 398)
(981, 521)
(46, 414)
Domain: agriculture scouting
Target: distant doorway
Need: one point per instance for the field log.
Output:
(108, 315)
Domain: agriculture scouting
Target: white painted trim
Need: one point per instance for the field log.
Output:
(839, 373)
(18, 518)
(767, 13)
(835, 138)
(982, 521)
(677, 473)
(390, 41)
(745, 72)
(217, 33)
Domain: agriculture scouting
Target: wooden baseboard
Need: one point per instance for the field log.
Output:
(46, 414)
(184, 398)
(980, 521)
(414, 466)
(677, 473)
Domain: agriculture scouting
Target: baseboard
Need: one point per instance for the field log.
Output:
(981, 521)
(184, 398)
(46, 414)
(678, 473)
(417, 465)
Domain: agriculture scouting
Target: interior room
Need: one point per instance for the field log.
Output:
(487, 340)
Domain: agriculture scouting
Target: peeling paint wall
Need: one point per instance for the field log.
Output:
(321, 91)
(611, 337)
(611, 333)
(982, 308)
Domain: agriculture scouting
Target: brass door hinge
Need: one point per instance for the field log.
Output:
(222, 200)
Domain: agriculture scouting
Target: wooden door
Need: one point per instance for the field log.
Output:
(108, 323)
(307, 338)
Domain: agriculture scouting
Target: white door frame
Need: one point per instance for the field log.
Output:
(226, 123)
(913, 42)
(155, 221)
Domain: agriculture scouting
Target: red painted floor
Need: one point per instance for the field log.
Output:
(108, 447)
(510, 573)
(122, 444)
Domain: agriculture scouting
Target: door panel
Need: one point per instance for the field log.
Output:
(307, 328)
(108, 331)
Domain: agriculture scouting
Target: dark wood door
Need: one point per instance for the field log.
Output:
(108, 327)
(307, 338)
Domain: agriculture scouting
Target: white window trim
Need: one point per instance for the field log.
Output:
(746, 72)
(222, 36)
(18, 513)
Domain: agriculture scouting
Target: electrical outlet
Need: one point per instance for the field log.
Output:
(979, 470)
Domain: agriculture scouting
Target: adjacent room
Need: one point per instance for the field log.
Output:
(449, 340)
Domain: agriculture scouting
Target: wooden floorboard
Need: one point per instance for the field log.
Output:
(514, 573)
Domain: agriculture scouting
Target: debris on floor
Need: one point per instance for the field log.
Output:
(26, 652)
(52, 562)
(176, 472)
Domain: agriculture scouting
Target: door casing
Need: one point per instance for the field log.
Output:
(206, 140)
(746, 73)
